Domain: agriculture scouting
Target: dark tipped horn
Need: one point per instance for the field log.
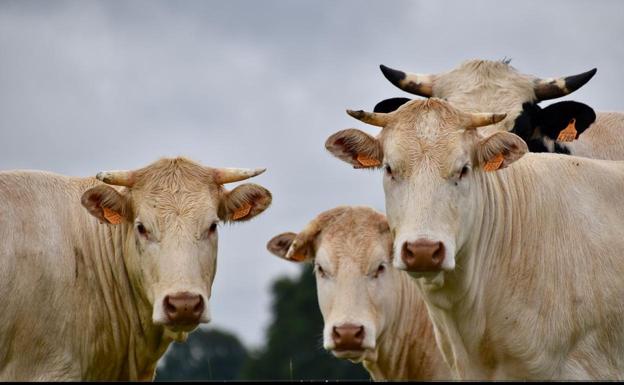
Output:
(554, 88)
(418, 84)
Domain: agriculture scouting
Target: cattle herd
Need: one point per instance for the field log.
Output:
(501, 255)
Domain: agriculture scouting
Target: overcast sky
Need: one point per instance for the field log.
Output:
(94, 85)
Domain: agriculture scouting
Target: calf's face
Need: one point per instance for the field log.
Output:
(171, 210)
(433, 157)
(350, 248)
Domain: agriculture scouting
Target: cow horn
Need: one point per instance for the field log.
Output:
(117, 177)
(484, 119)
(229, 175)
(378, 119)
(556, 87)
(418, 84)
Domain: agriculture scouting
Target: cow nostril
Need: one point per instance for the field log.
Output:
(360, 333)
(199, 307)
(335, 334)
(438, 254)
(169, 308)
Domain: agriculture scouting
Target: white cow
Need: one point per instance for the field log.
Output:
(495, 86)
(373, 313)
(98, 292)
(521, 266)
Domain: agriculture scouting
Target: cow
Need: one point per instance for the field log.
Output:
(485, 85)
(373, 313)
(519, 256)
(99, 275)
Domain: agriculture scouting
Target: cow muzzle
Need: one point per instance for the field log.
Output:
(348, 340)
(183, 310)
(423, 255)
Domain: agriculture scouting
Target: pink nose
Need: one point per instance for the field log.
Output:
(348, 337)
(183, 308)
(422, 255)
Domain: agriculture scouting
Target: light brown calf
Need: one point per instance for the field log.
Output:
(373, 313)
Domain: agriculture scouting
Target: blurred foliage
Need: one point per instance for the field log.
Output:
(294, 341)
(206, 355)
(293, 350)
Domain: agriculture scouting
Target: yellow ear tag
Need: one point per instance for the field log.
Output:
(241, 212)
(111, 216)
(568, 134)
(494, 163)
(367, 161)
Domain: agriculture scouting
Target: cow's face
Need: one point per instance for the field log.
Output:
(484, 85)
(350, 248)
(432, 156)
(170, 211)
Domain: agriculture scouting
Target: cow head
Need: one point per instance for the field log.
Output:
(433, 158)
(483, 85)
(168, 213)
(350, 248)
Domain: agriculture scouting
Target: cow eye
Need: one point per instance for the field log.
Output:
(141, 229)
(210, 231)
(464, 171)
(388, 170)
(380, 269)
(320, 271)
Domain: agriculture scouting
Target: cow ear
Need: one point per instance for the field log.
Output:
(244, 202)
(499, 150)
(390, 105)
(280, 244)
(106, 204)
(570, 115)
(356, 148)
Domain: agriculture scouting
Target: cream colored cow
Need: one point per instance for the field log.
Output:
(99, 293)
(521, 267)
(495, 86)
(373, 313)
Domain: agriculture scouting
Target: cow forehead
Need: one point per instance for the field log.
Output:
(177, 187)
(355, 240)
(180, 203)
(485, 86)
(428, 130)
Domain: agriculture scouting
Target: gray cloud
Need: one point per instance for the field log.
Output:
(92, 85)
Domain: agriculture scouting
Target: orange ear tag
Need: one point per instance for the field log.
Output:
(367, 161)
(111, 216)
(568, 134)
(494, 163)
(241, 212)
(298, 257)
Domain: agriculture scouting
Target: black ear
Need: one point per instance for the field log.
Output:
(390, 105)
(557, 116)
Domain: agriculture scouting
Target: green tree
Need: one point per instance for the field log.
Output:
(206, 355)
(294, 348)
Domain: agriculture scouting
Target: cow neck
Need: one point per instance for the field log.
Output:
(407, 349)
(118, 307)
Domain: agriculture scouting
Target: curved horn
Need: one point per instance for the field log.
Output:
(375, 118)
(418, 84)
(117, 177)
(229, 175)
(556, 87)
(483, 119)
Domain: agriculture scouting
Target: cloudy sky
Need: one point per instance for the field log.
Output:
(93, 85)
